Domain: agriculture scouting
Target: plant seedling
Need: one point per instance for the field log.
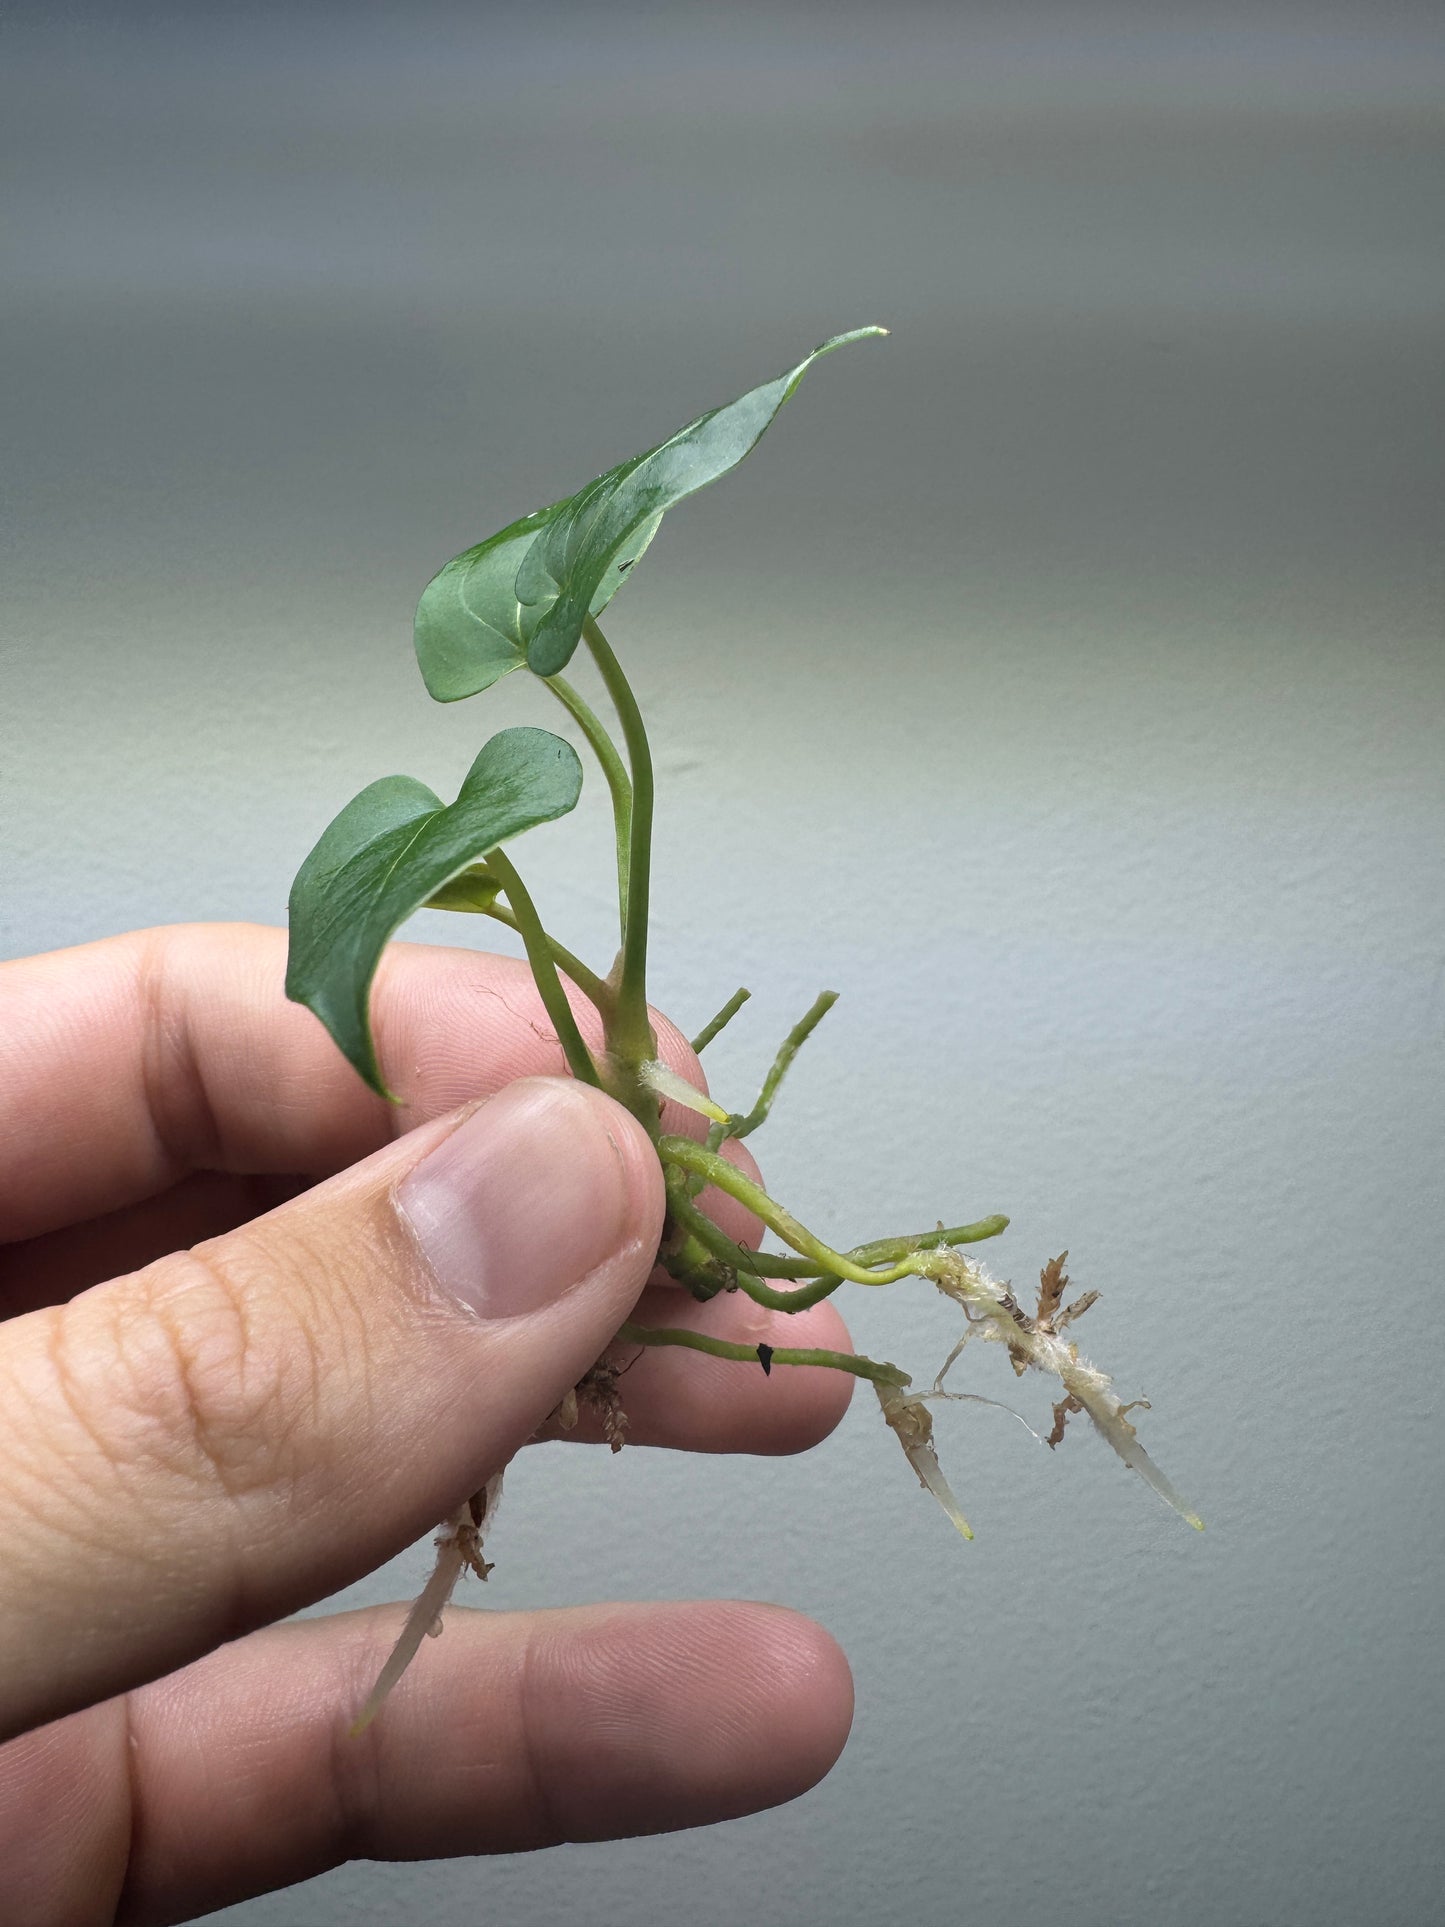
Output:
(529, 598)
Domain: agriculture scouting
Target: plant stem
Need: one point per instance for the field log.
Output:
(888, 1251)
(714, 1169)
(724, 1017)
(631, 1039)
(878, 1370)
(749, 1268)
(544, 970)
(882, 1251)
(618, 782)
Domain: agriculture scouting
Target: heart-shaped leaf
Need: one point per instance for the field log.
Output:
(393, 847)
(523, 595)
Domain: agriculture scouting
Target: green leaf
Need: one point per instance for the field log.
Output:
(523, 595)
(468, 622)
(393, 848)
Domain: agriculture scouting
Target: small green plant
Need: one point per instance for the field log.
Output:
(528, 598)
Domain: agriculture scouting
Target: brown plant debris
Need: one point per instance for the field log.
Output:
(1134, 1405)
(564, 1413)
(1053, 1283)
(1070, 1312)
(469, 1539)
(1061, 1418)
(597, 1388)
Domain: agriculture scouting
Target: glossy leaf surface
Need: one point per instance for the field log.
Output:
(523, 595)
(391, 849)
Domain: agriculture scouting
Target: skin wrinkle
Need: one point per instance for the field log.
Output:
(540, 1801)
(215, 1415)
(130, 1823)
(187, 1431)
(74, 1531)
(203, 1392)
(357, 1781)
(84, 1515)
(186, 1133)
(62, 1803)
(333, 1326)
(73, 1491)
(339, 1340)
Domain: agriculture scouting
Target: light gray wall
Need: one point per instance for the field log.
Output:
(1071, 673)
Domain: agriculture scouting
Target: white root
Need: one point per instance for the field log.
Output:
(459, 1549)
(994, 1314)
(912, 1423)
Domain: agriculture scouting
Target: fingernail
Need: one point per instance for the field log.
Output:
(525, 1198)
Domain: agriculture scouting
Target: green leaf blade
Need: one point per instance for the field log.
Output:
(391, 849)
(468, 622)
(580, 555)
(521, 597)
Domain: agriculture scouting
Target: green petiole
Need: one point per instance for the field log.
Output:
(630, 1037)
(615, 773)
(544, 971)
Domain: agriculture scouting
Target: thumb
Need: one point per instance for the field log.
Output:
(236, 1431)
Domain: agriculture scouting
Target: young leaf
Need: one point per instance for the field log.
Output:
(393, 847)
(468, 622)
(524, 594)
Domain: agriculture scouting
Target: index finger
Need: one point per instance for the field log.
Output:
(128, 1063)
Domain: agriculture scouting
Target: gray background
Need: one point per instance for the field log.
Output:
(1062, 681)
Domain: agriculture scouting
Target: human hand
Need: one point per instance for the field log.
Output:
(219, 1437)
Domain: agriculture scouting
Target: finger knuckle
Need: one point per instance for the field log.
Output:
(212, 1383)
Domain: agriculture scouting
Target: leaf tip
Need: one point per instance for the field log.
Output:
(370, 1073)
(874, 331)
